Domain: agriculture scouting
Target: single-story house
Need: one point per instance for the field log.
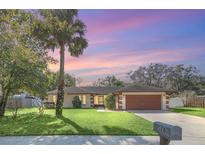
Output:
(136, 97)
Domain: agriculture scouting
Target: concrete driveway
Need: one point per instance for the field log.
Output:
(193, 127)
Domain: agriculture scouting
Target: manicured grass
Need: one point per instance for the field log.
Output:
(190, 110)
(75, 122)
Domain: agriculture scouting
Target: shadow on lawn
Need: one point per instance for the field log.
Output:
(34, 124)
(28, 124)
(114, 130)
(80, 130)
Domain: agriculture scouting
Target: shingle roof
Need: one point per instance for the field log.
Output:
(101, 90)
(52, 92)
(141, 88)
(107, 90)
(86, 90)
(77, 90)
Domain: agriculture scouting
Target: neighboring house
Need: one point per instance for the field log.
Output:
(128, 98)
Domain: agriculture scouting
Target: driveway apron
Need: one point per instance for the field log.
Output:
(193, 127)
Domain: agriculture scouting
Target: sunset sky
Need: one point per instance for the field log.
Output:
(121, 40)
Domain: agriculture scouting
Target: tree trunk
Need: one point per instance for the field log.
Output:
(2, 109)
(3, 103)
(60, 95)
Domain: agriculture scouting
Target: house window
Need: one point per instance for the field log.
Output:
(100, 99)
(83, 99)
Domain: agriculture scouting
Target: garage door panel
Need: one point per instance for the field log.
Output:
(146, 102)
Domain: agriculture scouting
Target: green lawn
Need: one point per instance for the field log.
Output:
(190, 110)
(74, 121)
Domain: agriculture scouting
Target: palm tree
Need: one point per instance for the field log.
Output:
(61, 29)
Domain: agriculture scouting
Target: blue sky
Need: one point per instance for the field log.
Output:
(122, 40)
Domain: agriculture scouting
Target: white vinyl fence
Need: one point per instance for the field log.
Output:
(24, 101)
(176, 102)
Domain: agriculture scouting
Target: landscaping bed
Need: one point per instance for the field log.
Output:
(74, 122)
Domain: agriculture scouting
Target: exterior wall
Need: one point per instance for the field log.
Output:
(164, 102)
(68, 100)
(52, 98)
(119, 105)
(91, 100)
(164, 105)
(123, 101)
(116, 102)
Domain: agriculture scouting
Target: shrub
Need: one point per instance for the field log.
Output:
(76, 102)
(110, 102)
(49, 105)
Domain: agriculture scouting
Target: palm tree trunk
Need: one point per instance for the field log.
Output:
(60, 95)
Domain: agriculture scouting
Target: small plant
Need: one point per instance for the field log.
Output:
(14, 113)
(41, 110)
(110, 102)
(15, 105)
(76, 102)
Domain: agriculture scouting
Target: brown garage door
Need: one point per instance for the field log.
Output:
(144, 102)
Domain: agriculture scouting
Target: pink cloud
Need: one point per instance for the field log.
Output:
(127, 63)
(111, 59)
(102, 41)
(91, 66)
(114, 23)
